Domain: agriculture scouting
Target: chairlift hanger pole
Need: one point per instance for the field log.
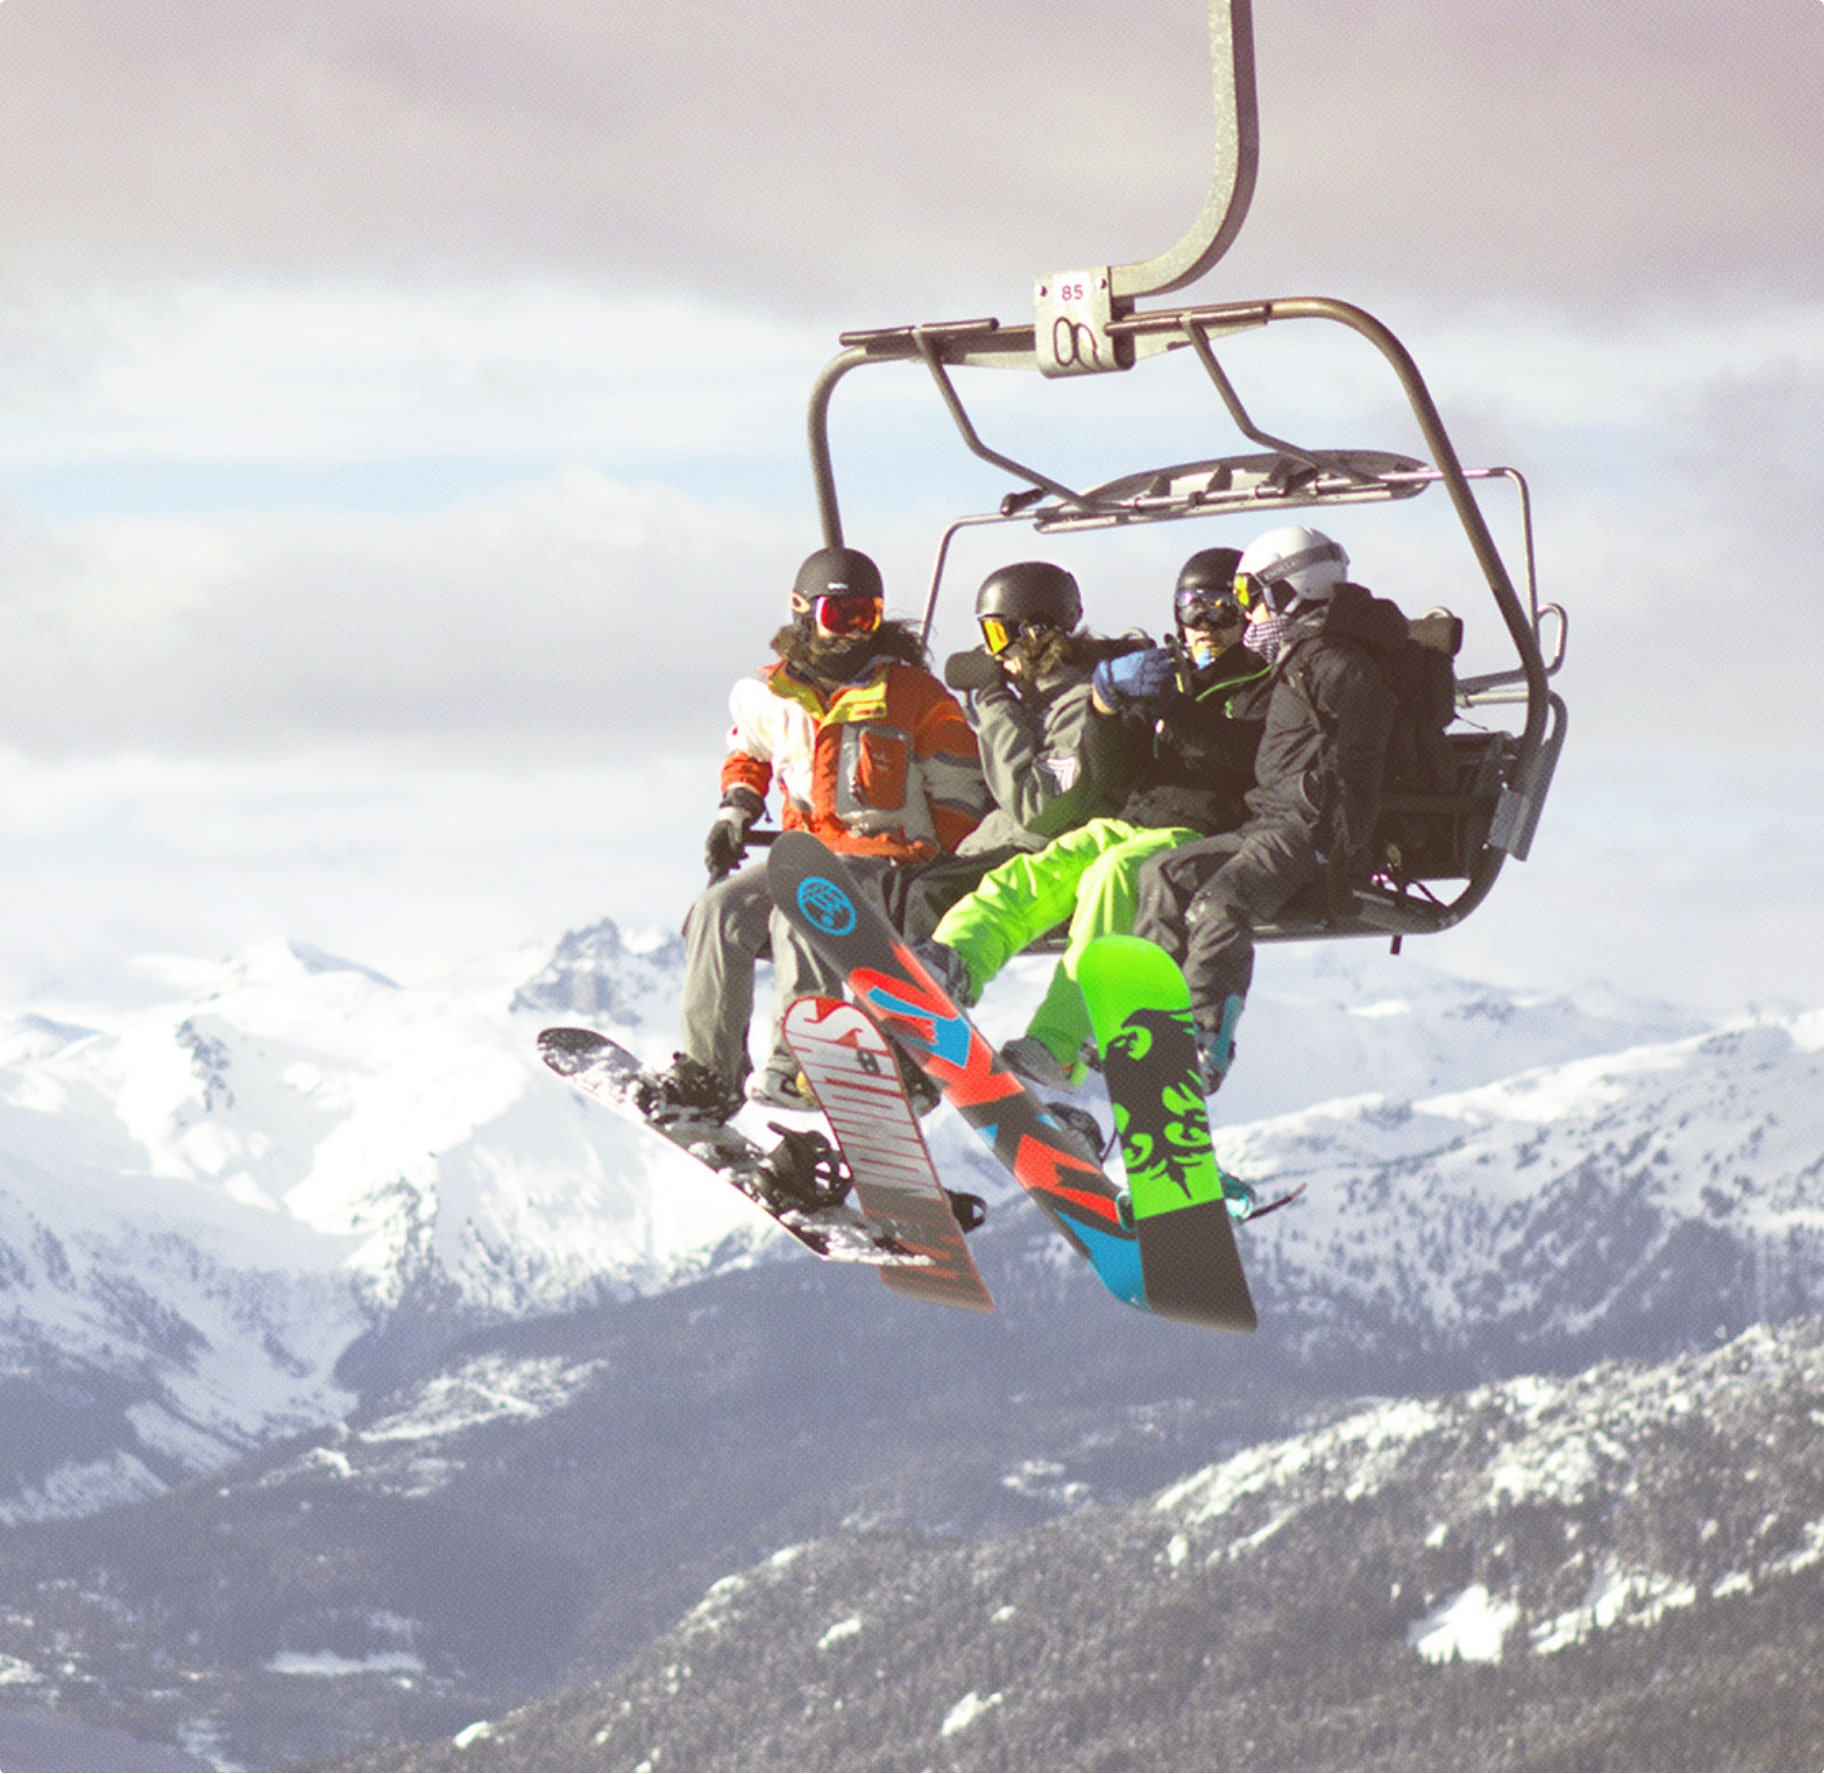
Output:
(1236, 160)
(1110, 291)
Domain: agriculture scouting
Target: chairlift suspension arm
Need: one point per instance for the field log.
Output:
(927, 349)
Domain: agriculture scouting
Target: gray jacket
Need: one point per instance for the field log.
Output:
(1031, 744)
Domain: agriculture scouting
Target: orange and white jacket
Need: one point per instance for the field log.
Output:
(884, 765)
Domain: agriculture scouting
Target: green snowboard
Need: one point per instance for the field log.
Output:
(1140, 1009)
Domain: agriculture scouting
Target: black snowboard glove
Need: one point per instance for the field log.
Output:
(727, 841)
(975, 669)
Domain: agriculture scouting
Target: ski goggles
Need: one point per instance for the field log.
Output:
(1253, 592)
(998, 634)
(1200, 607)
(846, 613)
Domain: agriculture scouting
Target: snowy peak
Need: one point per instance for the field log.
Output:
(315, 960)
(1338, 1020)
(1639, 1200)
(595, 976)
(204, 1204)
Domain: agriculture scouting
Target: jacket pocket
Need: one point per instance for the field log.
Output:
(876, 765)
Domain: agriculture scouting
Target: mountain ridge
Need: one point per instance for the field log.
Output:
(227, 1216)
(1460, 1581)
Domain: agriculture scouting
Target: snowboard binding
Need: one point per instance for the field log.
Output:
(804, 1173)
(971, 1211)
(686, 1091)
(921, 1093)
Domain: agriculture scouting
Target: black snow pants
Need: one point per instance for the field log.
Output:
(1200, 903)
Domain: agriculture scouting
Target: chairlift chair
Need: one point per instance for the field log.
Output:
(1086, 323)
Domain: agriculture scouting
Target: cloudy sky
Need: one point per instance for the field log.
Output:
(402, 416)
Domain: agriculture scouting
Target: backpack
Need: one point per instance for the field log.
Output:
(1417, 841)
(1424, 684)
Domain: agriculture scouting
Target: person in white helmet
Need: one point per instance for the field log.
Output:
(1329, 715)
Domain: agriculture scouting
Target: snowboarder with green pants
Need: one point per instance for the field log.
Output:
(1172, 735)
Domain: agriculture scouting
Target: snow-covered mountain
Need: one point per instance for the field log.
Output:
(207, 1205)
(1653, 1198)
(1619, 1569)
(292, 1179)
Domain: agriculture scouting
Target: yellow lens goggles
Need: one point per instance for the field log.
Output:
(997, 635)
(1251, 592)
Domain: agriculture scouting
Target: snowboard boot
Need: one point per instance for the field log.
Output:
(1037, 1064)
(1083, 1124)
(949, 969)
(781, 1086)
(1216, 1047)
(804, 1172)
(687, 1090)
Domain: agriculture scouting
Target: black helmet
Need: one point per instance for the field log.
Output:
(837, 572)
(838, 594)
(1206, 587)
(1035, 594)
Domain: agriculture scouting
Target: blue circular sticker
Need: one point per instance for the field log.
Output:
(826, 905)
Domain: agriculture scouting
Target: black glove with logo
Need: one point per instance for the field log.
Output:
(726, 845)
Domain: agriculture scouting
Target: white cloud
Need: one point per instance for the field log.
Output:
(424, 383)
(409, 863)
(576, 606)
(340, 372)
(1700, 886)
(1577, 153)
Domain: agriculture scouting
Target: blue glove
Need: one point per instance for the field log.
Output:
(1133, 678)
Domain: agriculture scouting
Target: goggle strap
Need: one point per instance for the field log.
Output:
(1258, 583)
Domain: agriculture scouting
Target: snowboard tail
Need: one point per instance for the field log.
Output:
(852, 1071)
(1140, 1009)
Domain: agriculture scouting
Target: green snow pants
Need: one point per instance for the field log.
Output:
(1090, 876)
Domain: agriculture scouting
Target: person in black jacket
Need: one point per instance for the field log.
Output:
(1329, 713)
(1169, 745)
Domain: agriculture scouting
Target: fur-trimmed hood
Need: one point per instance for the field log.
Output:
(843, 662)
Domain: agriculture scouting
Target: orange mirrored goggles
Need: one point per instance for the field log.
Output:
(847, 613)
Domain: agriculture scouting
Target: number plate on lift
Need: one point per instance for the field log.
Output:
(1071, 313)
